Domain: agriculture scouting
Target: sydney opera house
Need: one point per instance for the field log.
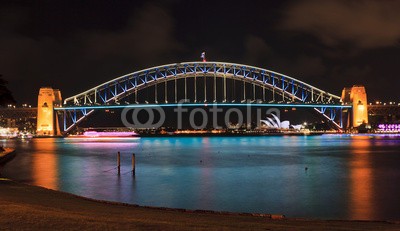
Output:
(276, 124)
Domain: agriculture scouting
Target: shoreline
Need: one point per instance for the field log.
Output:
(6, 155)
(27, 206)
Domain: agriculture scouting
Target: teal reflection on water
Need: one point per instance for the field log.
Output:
(328, 176)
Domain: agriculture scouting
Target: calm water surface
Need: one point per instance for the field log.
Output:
(347, 177)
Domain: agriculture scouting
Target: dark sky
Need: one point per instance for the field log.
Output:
(75, 45)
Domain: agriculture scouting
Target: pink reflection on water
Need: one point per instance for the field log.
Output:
(109, 134)
(106, 145)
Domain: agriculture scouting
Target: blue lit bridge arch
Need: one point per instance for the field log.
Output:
(201, 83)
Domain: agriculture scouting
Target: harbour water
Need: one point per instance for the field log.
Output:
(327, 176)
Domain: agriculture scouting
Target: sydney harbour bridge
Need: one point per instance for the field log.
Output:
(194, 84)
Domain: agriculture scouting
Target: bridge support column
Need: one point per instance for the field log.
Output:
(254, 92)
(186, 89)
(176, 96)
(357, 97)
(273, 94)
(244, 91)
(47, 121)
(205, 88)
(165, 92)
(215, 88)
(224, 88)
(155, 93)
(195, 89)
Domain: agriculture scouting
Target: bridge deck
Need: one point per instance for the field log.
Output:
(295, 105)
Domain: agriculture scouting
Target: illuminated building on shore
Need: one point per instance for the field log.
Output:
(388, 128)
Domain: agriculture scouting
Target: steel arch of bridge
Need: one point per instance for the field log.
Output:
(289, 88)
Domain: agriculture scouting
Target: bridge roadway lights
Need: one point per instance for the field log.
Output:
(86, 110)
(201, 105)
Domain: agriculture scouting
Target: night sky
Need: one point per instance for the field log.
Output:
(75, 45)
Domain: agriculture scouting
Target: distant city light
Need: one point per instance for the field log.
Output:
(389, 128)
(377, 102)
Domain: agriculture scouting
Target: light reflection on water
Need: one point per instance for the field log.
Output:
(45, 165)
(347, 177)
(361, 188)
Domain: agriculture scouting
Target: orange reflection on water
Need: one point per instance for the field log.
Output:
(361, 180)
(44, 164)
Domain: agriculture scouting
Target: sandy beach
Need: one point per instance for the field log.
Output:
(30, 207)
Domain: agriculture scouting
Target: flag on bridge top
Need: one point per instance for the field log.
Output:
(203, 56)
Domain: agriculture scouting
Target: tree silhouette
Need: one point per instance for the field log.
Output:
(6, 96)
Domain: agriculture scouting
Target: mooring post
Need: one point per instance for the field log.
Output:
(133, 164)
(119, 162)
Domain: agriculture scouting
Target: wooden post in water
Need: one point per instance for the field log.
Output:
(119, 162)
(133, 164)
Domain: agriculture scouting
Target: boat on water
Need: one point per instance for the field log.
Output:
(104, 136)
(8, 133)
(25, 135)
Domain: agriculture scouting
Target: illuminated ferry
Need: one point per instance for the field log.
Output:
(105, 136)
(8, 133)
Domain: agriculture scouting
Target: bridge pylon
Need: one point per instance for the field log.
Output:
(47, 121)
(357, 97)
